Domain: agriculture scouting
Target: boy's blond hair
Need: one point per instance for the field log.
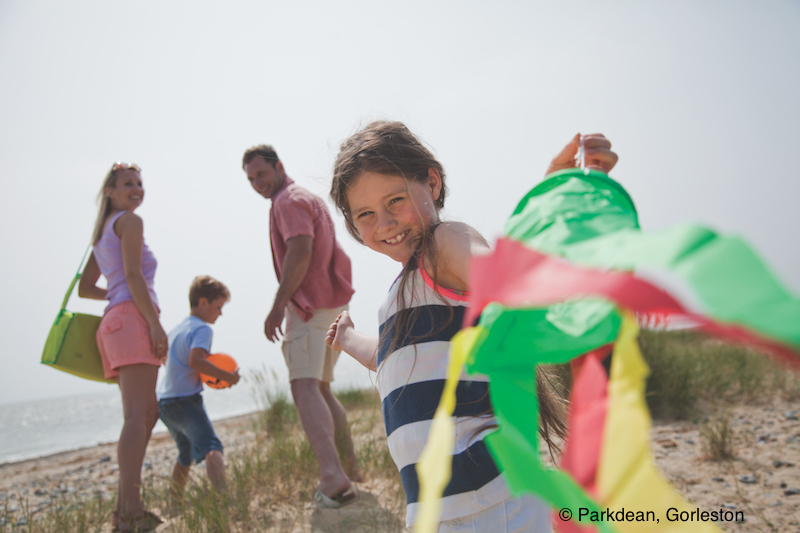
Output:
(208, 288)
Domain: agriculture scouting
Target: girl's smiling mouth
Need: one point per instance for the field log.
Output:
(397, 239)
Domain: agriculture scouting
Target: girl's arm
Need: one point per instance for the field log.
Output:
(456, 244)
(87, 286)
(130, 229)
(343, 336)
(199, 363)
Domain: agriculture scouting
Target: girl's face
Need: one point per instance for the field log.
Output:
(127, 193)
(389, 211)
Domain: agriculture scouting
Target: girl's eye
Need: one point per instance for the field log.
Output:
(363, 214)
(395, 200)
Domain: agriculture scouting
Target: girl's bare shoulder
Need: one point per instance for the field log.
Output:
(456, 244)
(459, 235)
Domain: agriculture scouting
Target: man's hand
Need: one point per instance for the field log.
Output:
(598, 154)
(272, 325)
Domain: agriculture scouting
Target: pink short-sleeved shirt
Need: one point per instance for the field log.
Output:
(328, 283)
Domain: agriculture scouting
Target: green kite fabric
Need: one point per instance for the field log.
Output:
(555, 288)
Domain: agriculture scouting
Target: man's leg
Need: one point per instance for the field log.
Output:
(318, 423)
(344, 443)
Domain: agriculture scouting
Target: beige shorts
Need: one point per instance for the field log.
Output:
(304, 348)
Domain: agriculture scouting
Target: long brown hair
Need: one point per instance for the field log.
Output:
(390, 148)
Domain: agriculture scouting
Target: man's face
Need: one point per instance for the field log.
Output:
(265, 178)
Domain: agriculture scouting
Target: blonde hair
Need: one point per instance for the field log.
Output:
(110, 181)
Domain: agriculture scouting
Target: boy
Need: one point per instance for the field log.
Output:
(179, 402)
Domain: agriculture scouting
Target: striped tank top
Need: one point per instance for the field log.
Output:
(410, 382)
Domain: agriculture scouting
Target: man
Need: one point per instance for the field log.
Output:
(314, 277)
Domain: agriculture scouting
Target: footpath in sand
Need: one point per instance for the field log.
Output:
(763, 481)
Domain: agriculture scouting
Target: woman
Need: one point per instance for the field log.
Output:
(131, 340)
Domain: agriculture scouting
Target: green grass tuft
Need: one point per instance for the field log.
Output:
(718, 438)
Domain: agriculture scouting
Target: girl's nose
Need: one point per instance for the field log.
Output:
(386, 220)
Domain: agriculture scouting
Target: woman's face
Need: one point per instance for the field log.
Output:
(389, 211)
(127, 193)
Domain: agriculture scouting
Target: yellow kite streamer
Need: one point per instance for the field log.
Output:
(627, 477)
(433, 468)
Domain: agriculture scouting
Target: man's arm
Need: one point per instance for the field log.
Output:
(293, 272)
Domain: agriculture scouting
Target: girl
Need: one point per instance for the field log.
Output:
(131, 340)
(390, 188)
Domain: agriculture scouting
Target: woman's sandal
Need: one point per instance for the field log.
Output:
(143, 523)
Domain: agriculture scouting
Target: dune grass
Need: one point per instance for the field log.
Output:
(272, 481)
(692, 374)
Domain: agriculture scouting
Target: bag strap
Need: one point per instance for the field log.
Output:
(72, 285)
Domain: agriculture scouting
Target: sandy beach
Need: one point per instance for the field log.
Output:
(763, 481)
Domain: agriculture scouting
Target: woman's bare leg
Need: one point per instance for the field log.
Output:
(140, 408)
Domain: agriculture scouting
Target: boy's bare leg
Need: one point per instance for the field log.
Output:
(344, 442)
(317, 420)
(180, 475)
(215, 466)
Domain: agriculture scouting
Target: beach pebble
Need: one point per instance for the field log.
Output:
(776, 503)
(105, 459)
(791, 415)
(729, 505)
(718, 479)
(748, 478)
(791, 492)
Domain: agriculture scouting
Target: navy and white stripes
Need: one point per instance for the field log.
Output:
(410, 382)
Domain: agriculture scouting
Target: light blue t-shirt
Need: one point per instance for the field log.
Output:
(180, 379)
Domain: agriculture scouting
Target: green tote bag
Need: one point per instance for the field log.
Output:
(71, 345)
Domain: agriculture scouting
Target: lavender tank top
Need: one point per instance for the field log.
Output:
(108, 254)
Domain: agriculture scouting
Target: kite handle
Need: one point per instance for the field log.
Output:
(581, 157)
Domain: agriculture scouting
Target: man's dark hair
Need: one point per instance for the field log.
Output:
(264, 150)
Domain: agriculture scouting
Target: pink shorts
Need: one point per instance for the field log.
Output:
(123, 338)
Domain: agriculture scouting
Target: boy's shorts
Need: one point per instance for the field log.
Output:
(304, 348)
(123, 338)
(190, 427)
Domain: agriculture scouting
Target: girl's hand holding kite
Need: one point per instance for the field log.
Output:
(598, 154)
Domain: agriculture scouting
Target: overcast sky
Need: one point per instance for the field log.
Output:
(699, 99)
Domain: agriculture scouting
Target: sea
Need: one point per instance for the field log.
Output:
(43, 427)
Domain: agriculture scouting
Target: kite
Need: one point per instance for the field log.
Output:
(560, 287)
